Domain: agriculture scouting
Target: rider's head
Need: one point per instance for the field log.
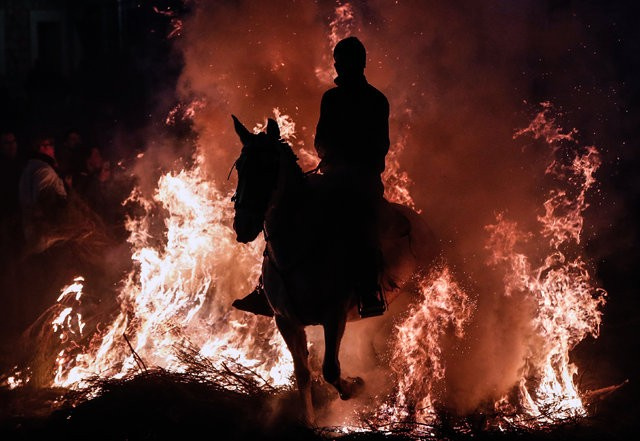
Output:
(350, 57)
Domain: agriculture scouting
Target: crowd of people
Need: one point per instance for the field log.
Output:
(61, 212)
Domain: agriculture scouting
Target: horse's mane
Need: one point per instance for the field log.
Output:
(287, 151)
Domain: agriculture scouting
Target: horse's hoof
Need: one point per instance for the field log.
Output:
(351, 387)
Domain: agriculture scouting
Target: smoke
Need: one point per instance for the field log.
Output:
(460, 78)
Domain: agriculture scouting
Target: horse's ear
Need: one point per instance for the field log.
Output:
(241, 130)
(273, 129)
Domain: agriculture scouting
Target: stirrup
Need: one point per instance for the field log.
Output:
(255, 302)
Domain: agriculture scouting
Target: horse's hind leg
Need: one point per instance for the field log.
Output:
(296, 340)
(333, 332)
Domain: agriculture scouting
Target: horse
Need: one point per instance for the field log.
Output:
(306, 274)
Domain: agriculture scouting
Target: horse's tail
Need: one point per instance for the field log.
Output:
(410, 248)
(424, 245)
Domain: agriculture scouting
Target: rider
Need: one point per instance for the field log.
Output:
(352, 140)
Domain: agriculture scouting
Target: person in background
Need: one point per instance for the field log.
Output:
(42, 197)
(86, 180)
(70, 156)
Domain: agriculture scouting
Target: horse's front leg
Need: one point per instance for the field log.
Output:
(296, 340)
(333, 332)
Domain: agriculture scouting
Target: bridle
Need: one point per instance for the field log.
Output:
(254, 206)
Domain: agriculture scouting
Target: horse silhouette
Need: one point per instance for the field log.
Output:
(306, 272)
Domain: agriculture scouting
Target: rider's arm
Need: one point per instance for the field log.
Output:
(321, 141)
(381, 137)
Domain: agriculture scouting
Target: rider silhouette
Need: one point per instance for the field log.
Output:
(352, 140)
(352, 135)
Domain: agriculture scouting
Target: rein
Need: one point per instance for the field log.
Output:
(285, 150)
(282, 174)
(312, 172)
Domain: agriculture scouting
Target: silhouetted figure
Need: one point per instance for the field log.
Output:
(42, 196)
(352, 135)
(86, 180)
(70, 156)
(352, 140)
(96, 186)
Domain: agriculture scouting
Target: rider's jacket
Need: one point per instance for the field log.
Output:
(352, 134)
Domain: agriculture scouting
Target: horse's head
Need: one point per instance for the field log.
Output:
(257, 168)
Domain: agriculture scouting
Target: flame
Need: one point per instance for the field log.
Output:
(568, 302)
(397, 181)
(568, 305)
(180, 289)
(177, 292)
(17, 378)
(417, 346)
(340, 26)
(183, 111)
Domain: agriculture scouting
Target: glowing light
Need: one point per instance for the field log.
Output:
(416, 350)
(568, 303)
(176, 293)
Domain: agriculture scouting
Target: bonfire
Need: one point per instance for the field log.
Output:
(167, 355)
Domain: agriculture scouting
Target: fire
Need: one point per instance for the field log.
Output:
(568, 302)
(417, 347)
(568, 305)
(177, 295)
(340, 26)
(397, 182)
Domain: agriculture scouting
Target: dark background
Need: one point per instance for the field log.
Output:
(103, 67)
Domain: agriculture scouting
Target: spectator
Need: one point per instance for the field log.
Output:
(103, 191)
(42, 197)
(86, 180)
(70, 156)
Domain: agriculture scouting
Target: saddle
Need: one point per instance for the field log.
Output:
(393, 225)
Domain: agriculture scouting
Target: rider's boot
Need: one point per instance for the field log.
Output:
(371, 298)
(255, 302)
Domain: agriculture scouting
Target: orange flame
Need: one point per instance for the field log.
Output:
(568, 303)
(340, 27)
(417, 346)
(179, 292)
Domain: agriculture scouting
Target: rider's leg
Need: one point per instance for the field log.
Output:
(255, 302)
(371, 300)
